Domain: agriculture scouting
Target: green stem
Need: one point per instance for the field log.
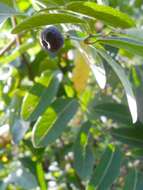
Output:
(40, 176)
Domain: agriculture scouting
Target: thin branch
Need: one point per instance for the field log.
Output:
(6, 48)
(23, 57)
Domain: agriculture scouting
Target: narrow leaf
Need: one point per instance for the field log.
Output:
(92, 59)
(80, 78)
(129, 135)
(52, 123)
(124, 80)
(95, 63)
(134, 181)
(117, 112)
(129, 44)
(83, 154)
(107, 14)
(136, 33)
(107, 170)
(46, 19)
(40, 96)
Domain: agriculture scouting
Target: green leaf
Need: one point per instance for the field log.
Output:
(107, 14)
(117, 112)
(107, 171)
(83, 154)
(23, 178)
(95, 64)
(18, 127)
(49, 3)
(129, 135)
(40, 95)
(124, 80)
(53, 122)
(46, 19)
(129, 44)
(6, 11)
(18, 130)
(136, 33)
(134, 181)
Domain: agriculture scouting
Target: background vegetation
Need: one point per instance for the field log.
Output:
(72, 119)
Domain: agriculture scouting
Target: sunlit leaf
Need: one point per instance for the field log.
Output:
(40, 95)
(52, 123)
(45, 19)
(108, 14)
(95, 64)
(131, 45)
(80, 72)
(92, 59)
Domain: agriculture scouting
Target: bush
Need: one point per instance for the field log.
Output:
(71, 95)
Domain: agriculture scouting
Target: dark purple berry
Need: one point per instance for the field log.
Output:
(51, 39)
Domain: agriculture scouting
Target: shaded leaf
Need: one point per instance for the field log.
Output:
(83, 154)
(29, 164)
(107, 170)
(139, 98)
(129, 135)
(117, 112)
(18, 127)
(134, 181)
(18, 130)
(105, 13)
(45, 19)
(23, 178)
(52, 123)
(124, 80)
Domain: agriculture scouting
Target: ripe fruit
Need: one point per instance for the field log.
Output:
(51, 39)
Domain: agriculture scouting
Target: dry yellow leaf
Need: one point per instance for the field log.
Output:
(80, 72)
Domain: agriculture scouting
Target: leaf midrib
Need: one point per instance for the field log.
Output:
(128, 138)
(135, 181)
(106, 169)
(53, 123)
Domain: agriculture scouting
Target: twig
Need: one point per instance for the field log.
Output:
(6, 48)
(18, 42)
